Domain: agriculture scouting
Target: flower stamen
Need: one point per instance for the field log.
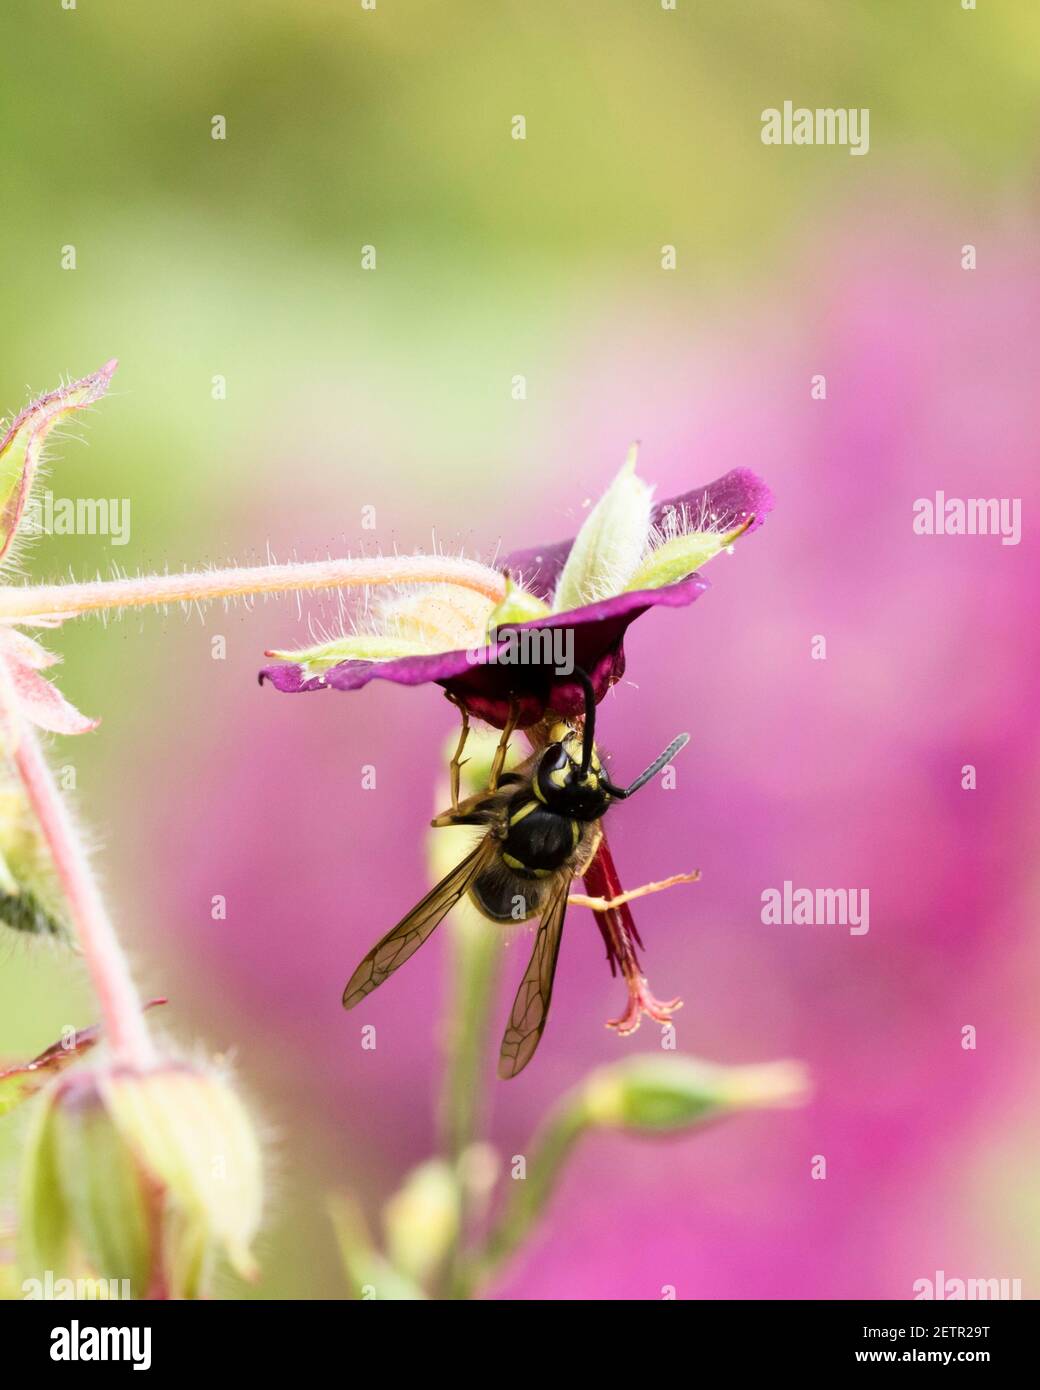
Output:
(618, 929)
(606, 904)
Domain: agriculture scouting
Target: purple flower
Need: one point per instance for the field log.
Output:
(567, 604)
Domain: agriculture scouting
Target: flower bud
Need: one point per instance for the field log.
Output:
(147, 1175)
(422, 1220)
(31, 898)
(82, 1188)
(661, 1094)
(21, 446)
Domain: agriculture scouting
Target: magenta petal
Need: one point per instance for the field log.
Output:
(727, 502)
(488, 688)
(289, 679)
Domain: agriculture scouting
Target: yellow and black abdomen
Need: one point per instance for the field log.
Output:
(538, 844)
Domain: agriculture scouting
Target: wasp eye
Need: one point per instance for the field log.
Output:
(554, 770)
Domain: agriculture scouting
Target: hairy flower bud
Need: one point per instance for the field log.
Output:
(142, 1176)
(659, 1094)
(22, 444)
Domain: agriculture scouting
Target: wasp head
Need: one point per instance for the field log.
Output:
(568, 780)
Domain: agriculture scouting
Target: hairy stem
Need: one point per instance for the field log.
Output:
(120, 1007)
(40, 600)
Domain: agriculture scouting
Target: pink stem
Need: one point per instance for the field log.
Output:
(120, 1007)
(37, 600)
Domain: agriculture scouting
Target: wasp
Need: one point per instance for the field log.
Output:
(541, 830)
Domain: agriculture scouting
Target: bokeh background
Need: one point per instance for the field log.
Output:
(392, 389)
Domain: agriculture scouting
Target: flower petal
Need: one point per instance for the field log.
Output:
(25, 650)
(44, 704)
(732, 505)
(487, 687)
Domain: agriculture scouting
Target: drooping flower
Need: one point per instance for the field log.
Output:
(630, 556)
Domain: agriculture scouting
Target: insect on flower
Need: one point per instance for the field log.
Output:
(542, 831)
(630, 555)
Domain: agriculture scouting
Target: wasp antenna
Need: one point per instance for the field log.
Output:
(589, 730)
(655, 767)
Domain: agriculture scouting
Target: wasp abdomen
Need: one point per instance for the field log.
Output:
(506, 895)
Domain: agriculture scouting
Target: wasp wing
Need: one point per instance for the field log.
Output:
(410, 933)
(531, 1005)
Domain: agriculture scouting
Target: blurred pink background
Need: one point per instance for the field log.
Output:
(842, 772)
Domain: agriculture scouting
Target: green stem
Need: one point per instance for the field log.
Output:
(462, 1113)
(475, 968)
(529, 1196)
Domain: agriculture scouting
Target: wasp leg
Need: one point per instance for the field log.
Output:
(457, 762)
(503, 745)
(606, 904)
(462, 818)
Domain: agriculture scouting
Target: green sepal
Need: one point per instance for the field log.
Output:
(104, 1191)
(518, 606)
(608, 549)
(44, 1227)
(357, 647)
(680, 556)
